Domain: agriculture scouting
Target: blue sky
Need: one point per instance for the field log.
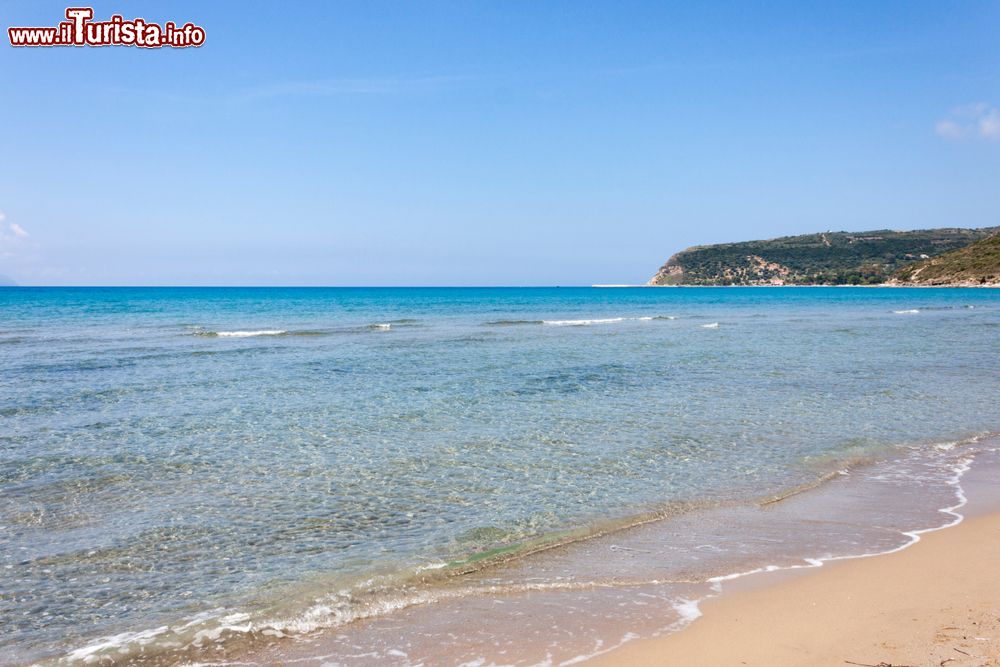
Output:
(500, 143)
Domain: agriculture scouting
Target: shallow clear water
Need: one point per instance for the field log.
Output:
(169, 453)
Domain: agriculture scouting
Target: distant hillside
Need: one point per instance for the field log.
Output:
(831, 258)
(976, 264)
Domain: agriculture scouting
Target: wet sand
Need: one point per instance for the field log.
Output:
(934, 603)
(627, 589)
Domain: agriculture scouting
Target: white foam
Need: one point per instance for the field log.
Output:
(582, 323)
(127, 642)
(911, 311)
(248, 334)
(89, 653)
(688, 610)
(713, 325)
(605, 320)
(382, 326)
(913, 536)
(432, 566)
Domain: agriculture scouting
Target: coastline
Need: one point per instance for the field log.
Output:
(934, 602)
(891, 285)
(524, 623)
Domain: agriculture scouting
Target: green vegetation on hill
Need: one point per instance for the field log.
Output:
(831, 258)
(976, 264)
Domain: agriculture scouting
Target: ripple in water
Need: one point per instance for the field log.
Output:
(156, 480)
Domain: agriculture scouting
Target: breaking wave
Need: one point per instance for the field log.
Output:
(577, 323)
(197, 636)
(588, 322)
(241, 334)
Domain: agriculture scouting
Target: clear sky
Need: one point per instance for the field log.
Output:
(486, 143)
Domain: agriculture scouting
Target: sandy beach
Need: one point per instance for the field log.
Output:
(935, 603)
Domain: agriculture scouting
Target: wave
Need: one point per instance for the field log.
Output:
(582, 323)
(910, 311)
(407, 322)
(185, 641)
(241, 334)
(713, 325)
(393, 324)
(588, 322)
(689, 610)
(252, 333)
(577, 323)
(438, 581)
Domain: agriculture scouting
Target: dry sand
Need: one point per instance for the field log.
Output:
(936, 603)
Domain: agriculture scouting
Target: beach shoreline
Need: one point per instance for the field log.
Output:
(521, 623)
(934, 602)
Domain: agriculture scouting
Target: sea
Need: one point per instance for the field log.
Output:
(479, 476)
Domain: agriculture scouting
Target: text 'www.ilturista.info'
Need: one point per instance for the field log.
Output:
(80, 30)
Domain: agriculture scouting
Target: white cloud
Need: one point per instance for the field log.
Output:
(989, 125)
(949, 129)
(11, 233)
(973, 121)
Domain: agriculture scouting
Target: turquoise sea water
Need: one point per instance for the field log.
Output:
(173, 455)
